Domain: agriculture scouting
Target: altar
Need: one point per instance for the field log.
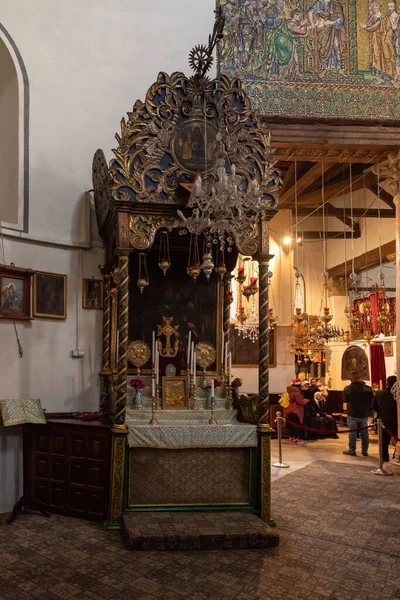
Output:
(183, 461)
(192, 186)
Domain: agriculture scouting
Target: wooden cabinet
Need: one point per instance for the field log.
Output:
(67, 467)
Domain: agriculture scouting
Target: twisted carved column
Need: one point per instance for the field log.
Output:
(123, 322)
(263, 339)
(106, 323)
(227, 305)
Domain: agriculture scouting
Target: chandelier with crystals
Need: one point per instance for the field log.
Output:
(223, 211)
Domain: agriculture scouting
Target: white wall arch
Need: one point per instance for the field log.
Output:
(14, 142)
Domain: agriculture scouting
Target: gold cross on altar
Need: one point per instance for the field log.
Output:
(169, 331)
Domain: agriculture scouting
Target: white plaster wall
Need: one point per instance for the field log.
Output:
(46, 370)
(87, 63)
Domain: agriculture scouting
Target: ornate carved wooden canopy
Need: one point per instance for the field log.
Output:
(170, 138)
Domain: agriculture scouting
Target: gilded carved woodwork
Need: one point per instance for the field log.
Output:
(101, 187)
(155, 152)
(389, 171)
(143, 228)
(117, 478)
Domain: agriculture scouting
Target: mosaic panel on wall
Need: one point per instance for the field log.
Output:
(315, 58)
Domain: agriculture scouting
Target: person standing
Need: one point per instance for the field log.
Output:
(385, 405)
(359, 398)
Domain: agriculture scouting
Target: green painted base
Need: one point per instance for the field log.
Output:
(195, 508)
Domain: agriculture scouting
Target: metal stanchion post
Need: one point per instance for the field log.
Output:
(280, 464)
(381, 470)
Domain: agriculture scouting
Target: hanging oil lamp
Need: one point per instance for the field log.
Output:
(253, 285)
(194, 271)
(241, 316)
(143, 278)
(247, 292)
(271, 317)
(208, 265)
(194, 266)
(221, 270)
(229, 297)
(241, 275)
(164, 259)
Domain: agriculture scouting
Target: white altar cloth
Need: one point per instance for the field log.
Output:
(189, 429)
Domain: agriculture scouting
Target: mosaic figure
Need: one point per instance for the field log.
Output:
(327, 20)
(380, 28)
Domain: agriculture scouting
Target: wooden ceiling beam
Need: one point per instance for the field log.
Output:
(304, 182)
(336, 189)
(368, 260)
(354, 233)
(288, 179)
(382, 194)
(340, 213)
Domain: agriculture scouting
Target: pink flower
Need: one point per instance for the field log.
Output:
(137, 384)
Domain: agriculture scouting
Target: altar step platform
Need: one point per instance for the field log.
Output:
(168, 531)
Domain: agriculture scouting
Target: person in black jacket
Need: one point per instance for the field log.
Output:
(386, 406)
(359, 399)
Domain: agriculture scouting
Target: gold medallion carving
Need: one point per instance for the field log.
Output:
(138, 354)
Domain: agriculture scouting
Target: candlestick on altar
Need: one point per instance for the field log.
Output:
(153, 420)
(194, 393)
(229, 386)
(188, 348)
(153, 347)
(157, 366)
(222, 348)
(212, 420)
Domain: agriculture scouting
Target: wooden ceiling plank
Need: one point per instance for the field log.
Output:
(368, 260)
(304, 182)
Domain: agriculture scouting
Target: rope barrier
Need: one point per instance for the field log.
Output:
(328, 431)
(391, 433)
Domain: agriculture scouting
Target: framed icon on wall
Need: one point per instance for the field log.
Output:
(15, 292)
(92, 293)
(50, 295)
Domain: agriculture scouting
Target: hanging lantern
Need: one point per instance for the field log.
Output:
(241, 275)
(247, 292)
(208, 265)
(229, 297)
(253, 285)
(194, 266)
(242, 317)
(271, 317)
(221, 270)
(143, 279)
(194, 270)
(164, 259)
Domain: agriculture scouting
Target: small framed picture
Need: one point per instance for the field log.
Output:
(92, 292)
(15, 292)
(50, 295)
(388, 348)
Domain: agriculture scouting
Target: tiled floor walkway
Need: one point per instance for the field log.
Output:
(339, 528)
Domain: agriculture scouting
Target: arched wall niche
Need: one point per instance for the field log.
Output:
(14, 140)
